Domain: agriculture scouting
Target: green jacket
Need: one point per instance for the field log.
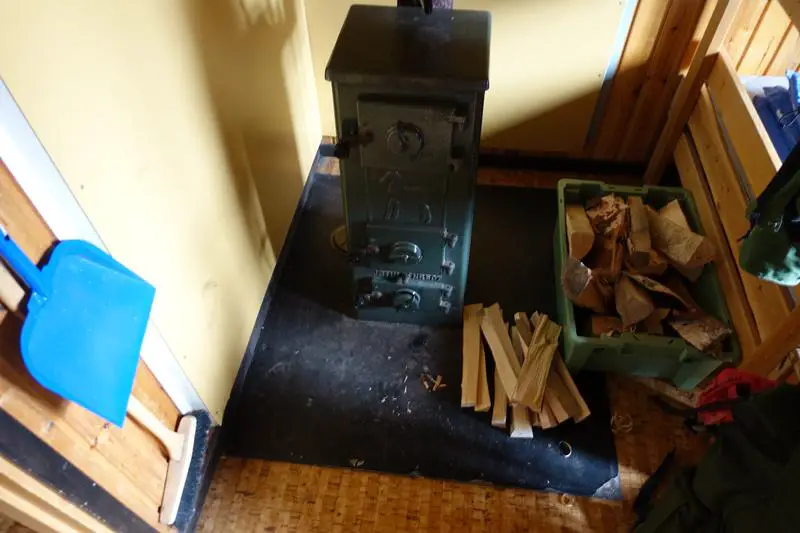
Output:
(748, 482)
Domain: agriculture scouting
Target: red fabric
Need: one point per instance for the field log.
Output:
(724, 387)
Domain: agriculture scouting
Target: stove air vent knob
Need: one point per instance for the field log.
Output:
(406, 300)
(404, 139)
(405, 252)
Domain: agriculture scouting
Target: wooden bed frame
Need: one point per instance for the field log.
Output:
(721, 150)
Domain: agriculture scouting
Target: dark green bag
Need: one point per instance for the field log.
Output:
(771, 249)
(749, 481)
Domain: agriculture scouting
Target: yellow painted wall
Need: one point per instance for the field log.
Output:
(547, 63)
(180, 126)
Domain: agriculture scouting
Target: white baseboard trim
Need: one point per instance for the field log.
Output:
(37, 175)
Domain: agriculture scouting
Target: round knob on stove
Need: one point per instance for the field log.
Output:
(404, 138)
(405, 252)
(406, 300)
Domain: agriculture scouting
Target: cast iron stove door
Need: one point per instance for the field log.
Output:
(407, 166)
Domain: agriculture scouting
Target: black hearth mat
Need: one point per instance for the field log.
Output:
(325, 389)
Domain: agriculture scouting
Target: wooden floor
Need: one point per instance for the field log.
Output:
(252, 495)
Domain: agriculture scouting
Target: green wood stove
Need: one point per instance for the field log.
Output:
(408, 90)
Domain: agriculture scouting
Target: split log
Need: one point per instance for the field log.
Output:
(676, 285)
(673, 212)
(607, 259)
(653, 323)
(654, 286)
(581, 287)
(471, 354)
(639, 233)
(633, 303)
(680, 245)
(609, 252)
(580, 235)
(656, 265)
(701, 331)
(605, 325)
(496, 334)
(606, 214)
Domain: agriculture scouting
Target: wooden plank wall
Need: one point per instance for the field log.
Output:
(661, 37)
(39, 507)
(762, 40)
(129, 462)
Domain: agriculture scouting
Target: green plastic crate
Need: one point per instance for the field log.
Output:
(636, 353)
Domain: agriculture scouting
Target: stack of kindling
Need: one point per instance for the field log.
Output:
(530, 376)
(627, 263)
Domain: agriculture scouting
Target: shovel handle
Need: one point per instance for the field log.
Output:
(171, 440)
(19, 262)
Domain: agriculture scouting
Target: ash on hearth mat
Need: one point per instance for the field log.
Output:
(329, 390)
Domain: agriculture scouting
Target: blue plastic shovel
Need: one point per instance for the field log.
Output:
(86, 319)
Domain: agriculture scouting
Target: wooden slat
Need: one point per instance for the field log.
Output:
(629, 78)
(792, 8)
(564, 395)
(470, 347)
(506, 364)
(20, 219)
(766, 40)
(775, 347)
(521, 427)
(553, 401)
(689, 88)
(662, 79)
(694, 180)
(750, 140)
(37, 506)
(500, 407)
(484, 400)
(742, 28)
(768, 301)
(43, 414)
(787, 57)
(128, 462)
(561, 367)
